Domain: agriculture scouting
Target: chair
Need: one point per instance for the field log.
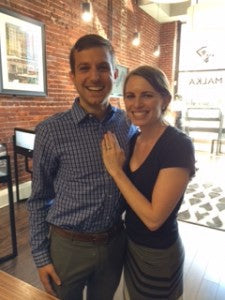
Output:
(219, 143)
(205, 124)
(5, 177)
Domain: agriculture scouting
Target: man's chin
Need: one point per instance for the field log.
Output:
(99, 100)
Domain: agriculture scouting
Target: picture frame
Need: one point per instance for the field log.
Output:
(22, 55)
(117, 90)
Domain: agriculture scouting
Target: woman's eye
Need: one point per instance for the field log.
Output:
(129, 96)
(147, 96)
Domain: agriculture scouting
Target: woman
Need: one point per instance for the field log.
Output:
(160, 166)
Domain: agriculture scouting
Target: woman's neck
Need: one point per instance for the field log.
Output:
(152, 132)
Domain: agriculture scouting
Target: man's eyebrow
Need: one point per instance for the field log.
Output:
(104, 63)
(82, 63)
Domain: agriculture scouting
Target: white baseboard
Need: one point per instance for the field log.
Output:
(24, 188)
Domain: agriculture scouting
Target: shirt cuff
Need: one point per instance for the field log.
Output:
(42, 259)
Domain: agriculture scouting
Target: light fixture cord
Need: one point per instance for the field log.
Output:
(158, 11)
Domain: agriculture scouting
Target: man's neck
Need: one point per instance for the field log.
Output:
(98, 111)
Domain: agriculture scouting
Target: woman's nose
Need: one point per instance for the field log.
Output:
(137, 101)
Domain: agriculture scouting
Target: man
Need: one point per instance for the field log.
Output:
(77, 236)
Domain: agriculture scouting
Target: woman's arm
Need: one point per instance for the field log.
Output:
(170, 185)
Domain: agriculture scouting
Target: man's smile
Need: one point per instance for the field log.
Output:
(95, 88)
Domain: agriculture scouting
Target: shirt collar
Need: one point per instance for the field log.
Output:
(80, 115)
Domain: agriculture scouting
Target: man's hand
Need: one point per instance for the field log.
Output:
(47, 274)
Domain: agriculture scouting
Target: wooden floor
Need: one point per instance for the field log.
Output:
(22, 266)
(204, 270)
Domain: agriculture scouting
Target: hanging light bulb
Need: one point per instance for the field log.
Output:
(136, 39)
(86, 12)
(156, 51)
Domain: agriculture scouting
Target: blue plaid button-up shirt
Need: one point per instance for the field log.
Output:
(71, 187)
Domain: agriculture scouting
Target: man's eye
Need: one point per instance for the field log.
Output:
(104, 68)
(83, 68)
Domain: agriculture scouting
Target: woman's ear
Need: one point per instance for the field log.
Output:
(167, 100)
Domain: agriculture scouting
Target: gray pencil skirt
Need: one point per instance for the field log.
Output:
(152, 274)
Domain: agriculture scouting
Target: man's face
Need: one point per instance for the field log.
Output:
(93, 78)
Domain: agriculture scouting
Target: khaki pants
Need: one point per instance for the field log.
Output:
(79, 264)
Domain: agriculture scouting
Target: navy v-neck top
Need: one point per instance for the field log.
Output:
(173, 149)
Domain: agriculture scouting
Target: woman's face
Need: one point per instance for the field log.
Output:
(144, 105)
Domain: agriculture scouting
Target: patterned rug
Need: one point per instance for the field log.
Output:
(204, 204)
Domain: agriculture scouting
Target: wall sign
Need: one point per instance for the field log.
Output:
(202, 50)
(202, 88)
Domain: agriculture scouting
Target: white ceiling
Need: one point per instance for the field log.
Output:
(174, 12)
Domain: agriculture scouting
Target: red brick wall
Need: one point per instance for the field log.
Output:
(63, 26)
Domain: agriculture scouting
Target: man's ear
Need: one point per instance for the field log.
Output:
(116, 73)
(71, 75)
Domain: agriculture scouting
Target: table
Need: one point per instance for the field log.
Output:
(16, 289)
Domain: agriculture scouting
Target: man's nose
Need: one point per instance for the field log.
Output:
(94, 74)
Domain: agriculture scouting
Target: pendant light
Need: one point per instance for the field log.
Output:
(86, 12)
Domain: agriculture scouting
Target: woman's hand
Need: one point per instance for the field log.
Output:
(113, 156)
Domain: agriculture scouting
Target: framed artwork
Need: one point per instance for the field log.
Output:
(117, 90)
(22, 55)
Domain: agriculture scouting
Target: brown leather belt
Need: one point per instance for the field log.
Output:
(98, 238)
